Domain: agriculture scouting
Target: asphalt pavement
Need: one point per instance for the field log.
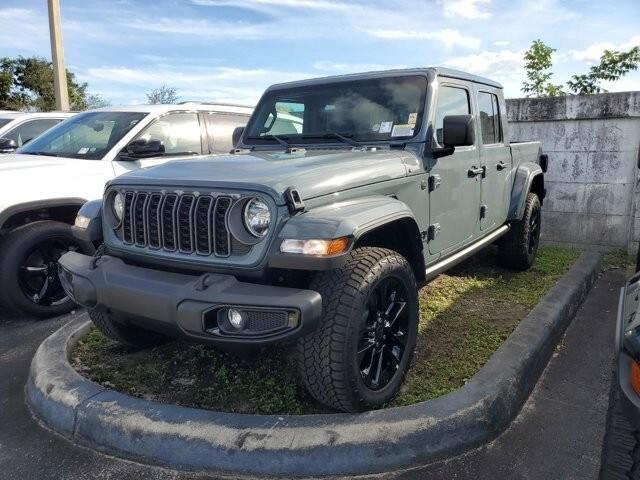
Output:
(558, 434)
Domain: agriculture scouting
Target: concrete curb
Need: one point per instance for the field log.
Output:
(338, 444)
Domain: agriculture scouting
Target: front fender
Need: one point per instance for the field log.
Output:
(351, 218)
(88, 224)
(523, 181)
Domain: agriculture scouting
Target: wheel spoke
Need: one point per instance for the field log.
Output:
(376, 380)
(38, 297)
(401, 306)
(365, 349)
(30, 272)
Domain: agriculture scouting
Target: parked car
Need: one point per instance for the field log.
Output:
(19, 128)
(319, 236)
(45, 183)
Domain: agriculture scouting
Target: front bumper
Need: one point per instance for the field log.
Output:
(187, 305)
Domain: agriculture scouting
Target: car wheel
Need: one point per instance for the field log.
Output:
(29, 268)
(357, 358)
(518, 248)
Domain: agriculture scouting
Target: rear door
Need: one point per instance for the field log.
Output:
(454, 193)
(495, 157)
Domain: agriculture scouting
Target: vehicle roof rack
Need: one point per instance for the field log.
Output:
(222, 104)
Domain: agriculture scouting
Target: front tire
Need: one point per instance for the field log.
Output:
(518, 248)
(358, 356)
(29, 268)
(129, 335)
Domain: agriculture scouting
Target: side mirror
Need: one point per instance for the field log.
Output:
(143, 148)
(235, 136)
(458, 131)
(8, 145)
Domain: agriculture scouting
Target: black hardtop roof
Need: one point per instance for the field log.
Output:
(429, 71)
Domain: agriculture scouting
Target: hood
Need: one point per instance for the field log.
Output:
(313, 172)
(32, 178)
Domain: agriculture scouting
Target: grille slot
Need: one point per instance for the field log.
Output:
(179, 222)
(261, 320)
(221, 233)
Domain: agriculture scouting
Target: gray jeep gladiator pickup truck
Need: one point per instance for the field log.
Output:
(343, 194)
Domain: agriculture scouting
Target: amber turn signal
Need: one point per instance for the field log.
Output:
(635, 376)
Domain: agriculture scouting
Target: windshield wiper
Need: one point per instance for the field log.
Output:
(280, 140)
(339, 136)
(46, 154)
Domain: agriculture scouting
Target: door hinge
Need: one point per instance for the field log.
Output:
(433, 231)
(434, 182)
(483, 211)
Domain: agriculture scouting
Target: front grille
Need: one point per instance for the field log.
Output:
(185, 223)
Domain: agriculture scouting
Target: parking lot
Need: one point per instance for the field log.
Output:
(558, 434)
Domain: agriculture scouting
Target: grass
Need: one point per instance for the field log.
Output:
(465, 315)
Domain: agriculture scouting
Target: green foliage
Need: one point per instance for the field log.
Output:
(465, 315)
(27, 84)
(163, 95)
(613, 66)
(537, 65)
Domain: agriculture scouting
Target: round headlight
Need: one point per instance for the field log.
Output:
(257, 217)
(118, 206)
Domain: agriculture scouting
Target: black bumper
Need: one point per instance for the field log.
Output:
(187, 305)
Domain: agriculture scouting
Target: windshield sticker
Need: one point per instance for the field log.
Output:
(83, 150)
(413, 118)
(385, 127)
(402, 131)
(375, 127)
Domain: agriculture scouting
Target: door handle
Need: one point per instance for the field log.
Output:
(475, 171)
(501, 166)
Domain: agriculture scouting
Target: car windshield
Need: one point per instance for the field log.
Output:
(380, 109)
(86, 135)
(4, 121)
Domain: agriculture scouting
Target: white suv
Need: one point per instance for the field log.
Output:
(43, 184)
(19, 128)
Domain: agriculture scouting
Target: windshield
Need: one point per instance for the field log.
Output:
(380, 109)
(86, 135)
(4, 121)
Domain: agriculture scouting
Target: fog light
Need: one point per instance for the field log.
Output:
(236, 319)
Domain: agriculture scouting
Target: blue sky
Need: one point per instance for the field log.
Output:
(230, 50)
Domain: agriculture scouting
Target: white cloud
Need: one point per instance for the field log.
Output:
(200, 28)
(256, 4)
(448, 37)
(468, 9)
(500, 62)
(593, 52)
(502, 43)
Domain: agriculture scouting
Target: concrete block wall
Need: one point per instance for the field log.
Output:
(593, 142)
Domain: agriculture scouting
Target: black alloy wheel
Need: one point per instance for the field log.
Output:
(383, 339)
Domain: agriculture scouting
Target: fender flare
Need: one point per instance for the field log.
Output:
(9, 212)
(522, 184)
(351, 218)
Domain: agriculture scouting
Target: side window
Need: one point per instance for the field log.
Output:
(180, 133)
(27, 131)
(289, 119)
(489, 118)
(451, 101)
(220, 127)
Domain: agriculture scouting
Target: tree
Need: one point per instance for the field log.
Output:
(613, 66)
(96, 101)
(163, 94)
(537, 65)
(27, 84)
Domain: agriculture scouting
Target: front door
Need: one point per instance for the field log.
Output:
(496, 160)
(180, 132)
(454, 185)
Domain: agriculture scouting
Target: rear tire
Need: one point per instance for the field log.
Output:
(29, 270)
(129, 335)
(358, 356)
(518, 248)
